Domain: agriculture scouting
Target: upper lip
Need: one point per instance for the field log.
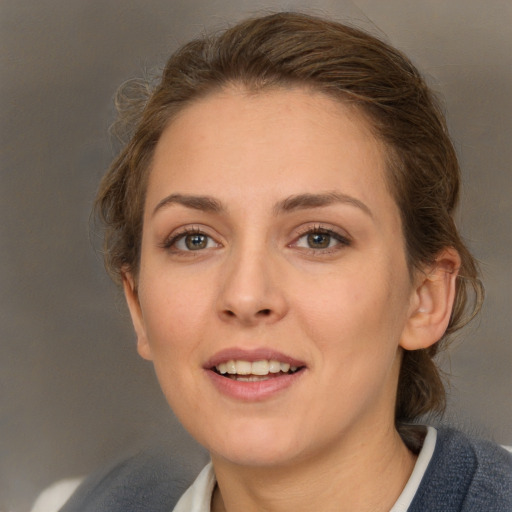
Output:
(258, 354)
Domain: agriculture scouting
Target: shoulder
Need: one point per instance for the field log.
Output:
(466, 474)
(149, 480)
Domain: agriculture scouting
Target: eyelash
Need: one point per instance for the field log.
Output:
(171, 242)
(343, 241)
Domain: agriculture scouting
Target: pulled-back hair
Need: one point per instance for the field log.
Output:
(290, 50)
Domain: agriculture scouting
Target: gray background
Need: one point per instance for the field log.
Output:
(73, 392)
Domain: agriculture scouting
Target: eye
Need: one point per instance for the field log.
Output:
(321, 239)
(191, 241)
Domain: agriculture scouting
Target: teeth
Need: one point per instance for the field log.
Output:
(243, 367)
(274, 366)
(259, 368)
(252, 378)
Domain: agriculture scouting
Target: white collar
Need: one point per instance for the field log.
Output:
(411, 487)
(198, 496)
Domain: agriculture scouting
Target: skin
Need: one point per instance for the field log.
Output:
(345, 311)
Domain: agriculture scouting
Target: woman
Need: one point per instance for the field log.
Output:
(281, 222)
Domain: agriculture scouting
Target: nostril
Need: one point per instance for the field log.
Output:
(247, 315)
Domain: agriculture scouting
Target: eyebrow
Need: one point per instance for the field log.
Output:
(306, 201)
(290, 204)
(203, 203)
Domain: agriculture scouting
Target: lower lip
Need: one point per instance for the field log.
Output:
(253, 391)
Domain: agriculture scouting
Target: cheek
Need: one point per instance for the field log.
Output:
(338, 303)
(174, 311)
(174, 323)
(353, 315)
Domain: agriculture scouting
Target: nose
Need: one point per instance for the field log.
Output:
(252, 289)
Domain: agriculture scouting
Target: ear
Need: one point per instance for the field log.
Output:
(132, 299)
(432, 302)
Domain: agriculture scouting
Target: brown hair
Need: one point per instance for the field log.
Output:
(290, 49)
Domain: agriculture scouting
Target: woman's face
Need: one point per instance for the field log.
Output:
(273, 289)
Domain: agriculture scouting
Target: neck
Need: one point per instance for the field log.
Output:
(364, 475)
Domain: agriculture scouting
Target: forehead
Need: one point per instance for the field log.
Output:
(280, 140)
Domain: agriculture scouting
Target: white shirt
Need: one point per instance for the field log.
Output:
(198, 496)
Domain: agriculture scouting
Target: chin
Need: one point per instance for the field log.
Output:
(255, 446)
(255, 455)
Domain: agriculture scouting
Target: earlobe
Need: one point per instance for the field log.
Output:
(432, 302)
(132, 300)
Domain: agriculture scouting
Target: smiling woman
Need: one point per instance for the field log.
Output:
(268, 274)
(281, 222)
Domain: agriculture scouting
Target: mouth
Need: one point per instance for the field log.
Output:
(254, 375)
(254, 371)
